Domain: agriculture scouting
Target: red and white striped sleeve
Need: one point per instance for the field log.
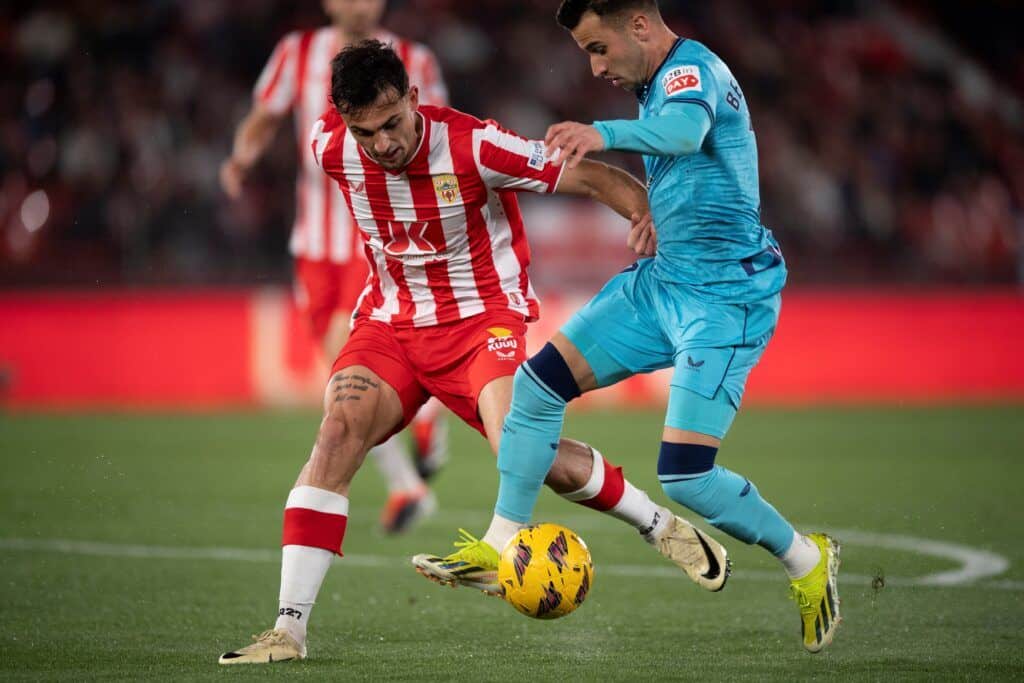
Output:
(326, 141)
(427, 75)
(276, 87)
(508, 161)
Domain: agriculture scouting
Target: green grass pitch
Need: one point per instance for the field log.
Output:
(137, 546)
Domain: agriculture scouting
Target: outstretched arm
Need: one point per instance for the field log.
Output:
(253, 136)
(618, 190)
(680, 130)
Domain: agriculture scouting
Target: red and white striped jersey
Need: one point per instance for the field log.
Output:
(444, 236)
(298, 78)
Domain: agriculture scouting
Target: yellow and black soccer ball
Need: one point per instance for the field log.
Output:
(546, 571)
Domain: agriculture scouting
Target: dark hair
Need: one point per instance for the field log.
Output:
(571, 11)
(361, 72)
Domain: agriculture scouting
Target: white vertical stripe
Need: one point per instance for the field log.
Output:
(389, 288)
(356, 178)
(504, 257)
(454, 223)
(404, 208)
(284, 88)
(308, 233)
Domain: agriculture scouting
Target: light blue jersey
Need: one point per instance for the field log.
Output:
(706, 205)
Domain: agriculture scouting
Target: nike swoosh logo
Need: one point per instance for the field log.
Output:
(713, 567)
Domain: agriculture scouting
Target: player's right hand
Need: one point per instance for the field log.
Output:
(232, 175)
(571, 141)
(643, 238)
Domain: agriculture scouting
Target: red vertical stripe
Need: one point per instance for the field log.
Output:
(268, 91)
(424, 198)
(326, 226)
(301, 67)
(303, 221)
(375, 299)
(474, 197)
(380, 206)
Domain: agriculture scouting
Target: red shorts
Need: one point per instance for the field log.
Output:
(453, 362)
(323, 288)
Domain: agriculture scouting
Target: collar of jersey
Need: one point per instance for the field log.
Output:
(645, 89)
(421, 149)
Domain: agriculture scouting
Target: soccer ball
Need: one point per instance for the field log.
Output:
(545, 571)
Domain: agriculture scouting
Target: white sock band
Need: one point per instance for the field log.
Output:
(593, 485)
(321, 500)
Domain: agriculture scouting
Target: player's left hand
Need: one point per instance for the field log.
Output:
(572, 141)
(643, 238)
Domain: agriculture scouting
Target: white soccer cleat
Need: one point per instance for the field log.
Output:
(704, 559)
(275, 645)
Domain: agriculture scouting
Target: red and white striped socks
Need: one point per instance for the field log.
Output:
(605, 491)
(314, 527)
(609, 492)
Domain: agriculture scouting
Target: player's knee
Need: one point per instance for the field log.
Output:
(341, 433)
(687, 474)
(545, 379)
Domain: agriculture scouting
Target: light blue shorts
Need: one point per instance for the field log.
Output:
(638, 324)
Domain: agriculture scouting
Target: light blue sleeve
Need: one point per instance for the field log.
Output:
(679, 130)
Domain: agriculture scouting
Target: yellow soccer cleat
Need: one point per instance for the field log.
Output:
(817, 596)
(474, 565)
(275, 645)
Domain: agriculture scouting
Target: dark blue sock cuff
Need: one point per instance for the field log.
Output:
(685, 458)
(549, 367)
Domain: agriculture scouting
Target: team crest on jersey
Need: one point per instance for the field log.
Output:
(681, 79)
(446, 186)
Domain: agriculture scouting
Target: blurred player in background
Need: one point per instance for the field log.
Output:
(330, 269)
(706, 304)
(444, 313)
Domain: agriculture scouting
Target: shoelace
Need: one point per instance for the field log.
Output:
(471, 548)
(799, 597)
(270, 637)
(691, 549)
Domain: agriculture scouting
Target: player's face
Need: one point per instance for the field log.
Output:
(615, 54)
(388, 130)
(357, 17)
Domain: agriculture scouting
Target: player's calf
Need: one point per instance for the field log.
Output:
(316, 513)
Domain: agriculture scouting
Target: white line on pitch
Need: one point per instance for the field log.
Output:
(264, 555)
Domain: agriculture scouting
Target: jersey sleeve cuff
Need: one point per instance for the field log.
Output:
(607, 134)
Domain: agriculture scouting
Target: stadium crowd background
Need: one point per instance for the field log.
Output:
(890, 135)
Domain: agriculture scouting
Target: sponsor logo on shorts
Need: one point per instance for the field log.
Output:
(681, 79)
(502, 342)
